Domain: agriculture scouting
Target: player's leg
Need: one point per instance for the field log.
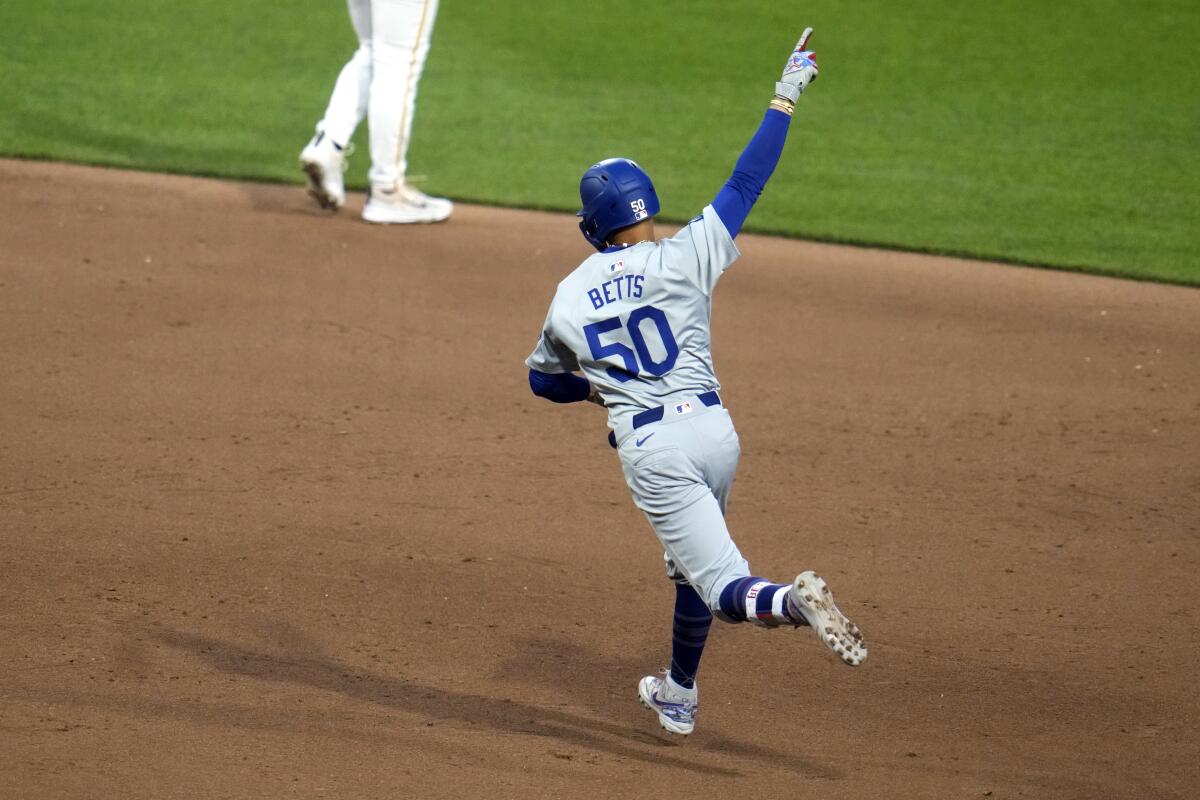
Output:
(348, 103)
(672, 487)
(689, 633)
(324, 158)
(668, 487)
(688, 522)
(401, 35)
(681, 485)
(674, 696)
(693, 618)
(807, 599)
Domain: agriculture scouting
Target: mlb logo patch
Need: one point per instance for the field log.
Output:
(616, 266)
(684, 407)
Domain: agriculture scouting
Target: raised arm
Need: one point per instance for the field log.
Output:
(758, 160)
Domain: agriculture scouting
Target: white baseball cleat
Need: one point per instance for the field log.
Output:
(405, 205)
(324, 162)
(810, 596)
(676, 706)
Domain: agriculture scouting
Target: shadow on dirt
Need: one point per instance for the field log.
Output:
(305, 665)
(552, 663)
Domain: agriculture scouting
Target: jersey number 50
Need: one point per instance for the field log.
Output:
(629, 358)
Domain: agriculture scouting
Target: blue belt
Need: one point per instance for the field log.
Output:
(656, 414)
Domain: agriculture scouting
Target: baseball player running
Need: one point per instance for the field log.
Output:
(379, 82)
(635, 319)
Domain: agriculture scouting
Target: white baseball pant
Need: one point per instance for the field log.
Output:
(680, 471)
(380, 82)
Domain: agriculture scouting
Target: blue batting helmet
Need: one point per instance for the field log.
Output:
(615, 193)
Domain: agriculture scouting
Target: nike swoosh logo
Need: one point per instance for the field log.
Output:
(641, 442)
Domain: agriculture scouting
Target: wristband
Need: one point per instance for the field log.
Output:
(783, 104)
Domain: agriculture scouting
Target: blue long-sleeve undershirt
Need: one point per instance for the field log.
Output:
(732, 204)
(752, 171)
(559, 387)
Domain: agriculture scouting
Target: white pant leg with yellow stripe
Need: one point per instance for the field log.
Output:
(380, 82)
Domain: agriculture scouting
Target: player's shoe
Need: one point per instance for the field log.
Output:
(676, 706)
(404, 205)
(811, 598)
(323, 162)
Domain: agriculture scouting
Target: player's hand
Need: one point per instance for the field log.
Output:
(594, 397)
(800, 70)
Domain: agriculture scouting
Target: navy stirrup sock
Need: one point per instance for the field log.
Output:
(758, 600)
(688, 634)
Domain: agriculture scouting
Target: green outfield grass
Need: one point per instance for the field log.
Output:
(1064, 134)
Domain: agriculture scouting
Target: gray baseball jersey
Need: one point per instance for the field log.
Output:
(636, 320)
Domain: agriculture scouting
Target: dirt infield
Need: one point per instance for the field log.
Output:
(280, 517)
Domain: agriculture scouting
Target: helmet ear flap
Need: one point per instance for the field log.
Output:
(588, 228)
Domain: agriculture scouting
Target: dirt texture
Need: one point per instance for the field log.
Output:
(280, 517)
